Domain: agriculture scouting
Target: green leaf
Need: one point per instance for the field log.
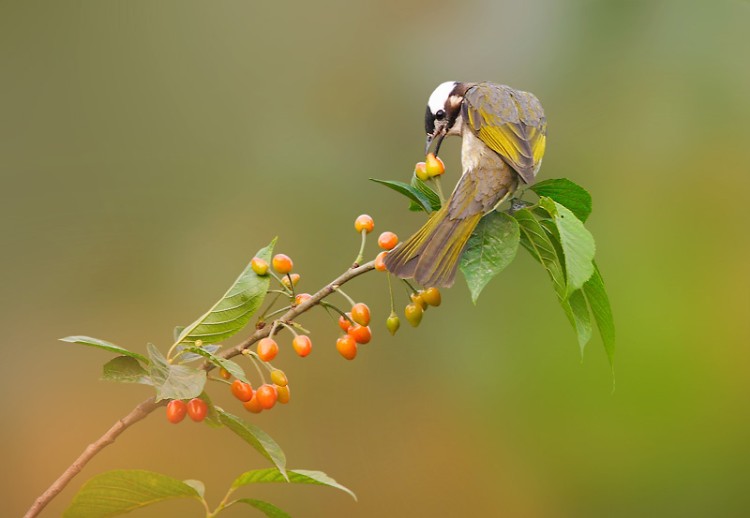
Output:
(122, 491)
(185, 357)
(125, 369)
(256, 438)
(598, 301)
(297, 476)
(269, 510)
(407, 190)
(177, 332)
(101, 344)
(491, 247)
(578, 314)
(174, 381)
(199, 486)
(230, 314)
(567, 193)
(233, 367)
(537, 241)
(425, 189)
(577, 243)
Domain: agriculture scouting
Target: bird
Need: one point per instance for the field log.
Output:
(504, 134)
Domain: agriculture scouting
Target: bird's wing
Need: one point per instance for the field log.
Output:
(510, 122)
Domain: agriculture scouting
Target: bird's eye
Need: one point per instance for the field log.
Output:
(440, 115)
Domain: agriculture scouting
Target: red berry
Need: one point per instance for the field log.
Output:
(282, 263)
(361, 334)
(347, 347)
(224, 374)
(279, 378)
(302, 345)
(387, 240)
(259, 266)
(242, 391)
(420, 171)
(361, 313)
(253, 405)
(345, 323)
(267, 396)
(267, 349)
(413, 313)
(176, 411)
(434, 166)
(432, 296)
(283, 394)
(364, 222)
(301, 297)
(380, 262)
(197, 409)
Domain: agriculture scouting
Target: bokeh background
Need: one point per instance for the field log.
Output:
(148, 149)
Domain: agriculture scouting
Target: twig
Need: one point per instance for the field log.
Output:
(149, 405)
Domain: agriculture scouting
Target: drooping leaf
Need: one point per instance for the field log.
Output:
(101, 344)
(407, 190)
(270, 510)
(233, 367)
(125, 369)
(121, 491)
(491, 247)
(578, 313)
(537, 241)
(174, 381)
(598, 301)
(567, 193)
(230, 314)
(256, 438)
(199, 486)
(177, 332)
(577, 244)
(297, 476)
(425, 189)
(184, 357)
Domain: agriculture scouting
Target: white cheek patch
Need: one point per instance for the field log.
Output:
(440, 95)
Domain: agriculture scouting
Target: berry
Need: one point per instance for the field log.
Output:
(416, 298)
(432, 296)
(302, 345)
(347, 347)
(434, 166)
(361, 334)
(301, 297)
(267, 349)
(241, 390)
(197, 409)
(361, 313)
(224, 374)
(283, 394)
(259, 266)
(413, 313)
(393, 323)
(253, 405)
(345, 323)
(387, 240)
(295, 280)
(380, 262)
(279, 378)
(267, 396)
(282, 263)
(420, 171)
(176, 411)
(364, 222)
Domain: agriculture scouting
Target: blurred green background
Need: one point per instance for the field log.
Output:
(148, 149)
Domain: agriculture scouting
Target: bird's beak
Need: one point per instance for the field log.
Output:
(437, 137)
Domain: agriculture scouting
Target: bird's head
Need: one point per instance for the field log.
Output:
(443, 112)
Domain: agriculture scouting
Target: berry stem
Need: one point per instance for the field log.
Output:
(390, 291)
(280, 310)
(361, 256)
(290, 328)
(347, 297)
(263, 315)
(328, 305)
(291, 284)
(412, 288)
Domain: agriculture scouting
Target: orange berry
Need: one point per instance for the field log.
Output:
(434, 166)
(197, 409)
(224, 374)
(259, 266)
(253, 405)
(295, 279)
(267, 349)
(413, 313)
(361, 334)
(241, 390)
(302, 345)
(283, 394)
(393, 323)
(267, 396)
(345, 323)
(347, 347)
(380, 262)
(416, 298)
(432, 296)
(361, 313)
(301, 297)
(420, 171)
(282, 263)
(176, 411)
(279, 378)
(387, 240)
(364, 222)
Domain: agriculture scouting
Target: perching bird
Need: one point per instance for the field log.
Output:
(504, 132)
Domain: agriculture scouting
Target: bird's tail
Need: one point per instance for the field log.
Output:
(431, 255)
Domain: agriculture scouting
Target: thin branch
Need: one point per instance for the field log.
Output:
(149, 405)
